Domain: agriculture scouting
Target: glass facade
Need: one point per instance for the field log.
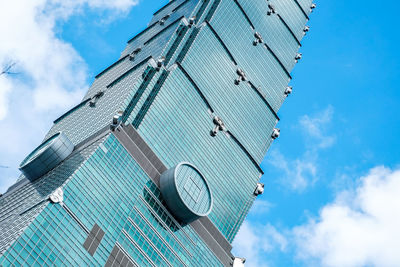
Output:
(109, 189)
(201, 84)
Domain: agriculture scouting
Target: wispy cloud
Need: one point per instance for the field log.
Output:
(360, 228)
(314, 128)
(299, 173)
(52, 76)
(255, 240)
(260, 207)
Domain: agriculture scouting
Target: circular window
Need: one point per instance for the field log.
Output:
(186, 192)
(46, 156)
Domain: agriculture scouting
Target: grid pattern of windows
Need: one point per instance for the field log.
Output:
(244, 113)
(209, 58)
(186, 136)
(306, 5)
(116, 83)
(274, 32)
(87, 120)
(292, 15)
(144, 90)
(194, 190)
(153, 200)
(144, 226)
(107, 191)
(93, 240)
(49, 240)
(25, 200)
(259, 64)
(111, 191)
(156, 27)
(118, 258)
(147, 245)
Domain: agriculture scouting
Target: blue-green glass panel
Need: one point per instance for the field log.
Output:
(292, 14)
(259, 64)
(273, 31)
(177, 127)
(53, 237)
(243, 111)
(306, 5)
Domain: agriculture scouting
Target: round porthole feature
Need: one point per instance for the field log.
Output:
(46, 156)
(186, 192)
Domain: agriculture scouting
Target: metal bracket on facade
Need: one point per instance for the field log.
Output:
(258, 40)
(219, 126)
(57, 196)
(306, 29)
(164, 19)
(288, 90)
(259, 189)
(271, 10)
(160, 63)
(191, 21)
(157, 65)
(95, 98)
(134, 53)
(313, 6)
(116, 121)
(238, 262)
(276, 133)
(298, 57)
(242, 76)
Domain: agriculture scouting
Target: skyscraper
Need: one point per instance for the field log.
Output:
(159, 163)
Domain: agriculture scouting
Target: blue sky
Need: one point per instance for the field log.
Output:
(332, 193)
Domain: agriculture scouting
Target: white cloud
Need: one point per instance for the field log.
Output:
(260, 207)
(297, 174)
(301, 172)
(360, 228)
(253, 242)
(52, 77)
(5, 87)
(315, 128)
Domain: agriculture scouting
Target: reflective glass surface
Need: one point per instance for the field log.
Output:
(198, 89)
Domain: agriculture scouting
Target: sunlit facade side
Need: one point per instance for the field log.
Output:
(194, 99)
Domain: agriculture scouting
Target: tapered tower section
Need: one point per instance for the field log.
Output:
(159, 163)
